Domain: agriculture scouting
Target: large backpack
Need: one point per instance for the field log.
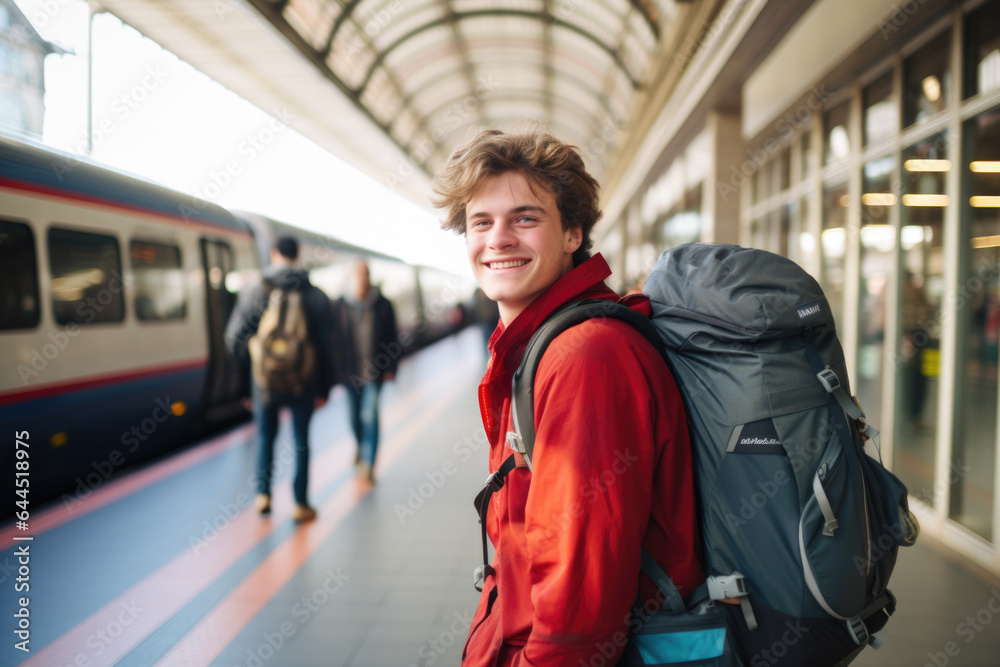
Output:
(799, 522)
(281, 354)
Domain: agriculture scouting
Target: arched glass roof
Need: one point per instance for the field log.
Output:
(428, 72)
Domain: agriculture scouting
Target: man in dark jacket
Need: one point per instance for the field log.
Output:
(371, 322)
(283, 274)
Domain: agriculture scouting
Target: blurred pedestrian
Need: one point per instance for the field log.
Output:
(916, 339)
(375, 346)
(280, 327)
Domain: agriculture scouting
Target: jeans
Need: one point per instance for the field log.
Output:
(363, 402)
(266, 417)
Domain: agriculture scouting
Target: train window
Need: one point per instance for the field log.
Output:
(87, 280)
(160, 293)
(19, 305)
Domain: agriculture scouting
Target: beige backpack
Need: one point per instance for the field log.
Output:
(281, 354)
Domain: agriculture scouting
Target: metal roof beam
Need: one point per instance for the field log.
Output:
(548, 18)
(562, 75)
(650, 14)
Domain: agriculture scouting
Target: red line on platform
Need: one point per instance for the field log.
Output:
(166, 591)
(160, 595)
(210, 637)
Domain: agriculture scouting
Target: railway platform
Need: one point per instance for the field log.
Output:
(170, 565)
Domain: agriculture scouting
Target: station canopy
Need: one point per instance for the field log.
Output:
(393, 86)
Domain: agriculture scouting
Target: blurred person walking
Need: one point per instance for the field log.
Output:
(281, 328)
(375, 351)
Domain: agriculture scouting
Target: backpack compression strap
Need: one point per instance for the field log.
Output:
(837, 397)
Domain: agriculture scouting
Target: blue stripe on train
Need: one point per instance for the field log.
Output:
(106, 429)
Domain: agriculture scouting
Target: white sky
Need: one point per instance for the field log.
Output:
(156, 116)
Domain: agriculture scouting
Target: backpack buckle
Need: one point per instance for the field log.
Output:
(733, 586)
(829, 380)
(730, 586)
(479, 576)
(494, 481)
(514, 443)
(858, 631)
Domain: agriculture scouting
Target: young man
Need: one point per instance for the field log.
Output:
(243, 323)
(370, 327)
(611, 469)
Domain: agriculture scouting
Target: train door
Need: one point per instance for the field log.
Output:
(223, 388)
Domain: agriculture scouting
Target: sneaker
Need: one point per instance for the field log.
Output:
(262, 503)
(303, 513)
(365, 473)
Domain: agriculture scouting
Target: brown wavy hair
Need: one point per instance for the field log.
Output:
(544, 161)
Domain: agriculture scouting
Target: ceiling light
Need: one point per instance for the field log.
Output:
(925, 200)
(932, 88)
(985, 166)
(927, 165)
(878, 199)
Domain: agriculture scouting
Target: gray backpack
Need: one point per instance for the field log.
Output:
(799, 522)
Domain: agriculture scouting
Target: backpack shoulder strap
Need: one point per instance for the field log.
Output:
(295, 307)
(522, 440)
(522, 400)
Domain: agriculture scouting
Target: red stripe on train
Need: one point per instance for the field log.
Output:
(21, 394)
(28, 186)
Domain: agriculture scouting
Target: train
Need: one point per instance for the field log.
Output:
(114, 295)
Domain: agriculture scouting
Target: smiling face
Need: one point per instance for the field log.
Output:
(516, 242)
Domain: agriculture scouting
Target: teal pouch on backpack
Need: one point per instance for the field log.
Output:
(691, 633)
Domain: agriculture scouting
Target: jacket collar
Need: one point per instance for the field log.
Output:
(585, 281)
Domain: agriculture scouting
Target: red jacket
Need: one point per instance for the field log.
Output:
(612, 473)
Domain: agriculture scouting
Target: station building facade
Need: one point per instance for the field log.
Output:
(860, 138)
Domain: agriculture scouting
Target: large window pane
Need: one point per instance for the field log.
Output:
(781, 171)
(784, 229)
(925, 167)
(834, 245)
(878, 259)
(881, 110)
(836, 140)
(758, 233)
(802, 247)
(19, 287)
(86, 277)
(159, 282)
(683, 224)
(926, 84)
(981, 43)
(807, 153)
(760, 186)
(974, 448)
